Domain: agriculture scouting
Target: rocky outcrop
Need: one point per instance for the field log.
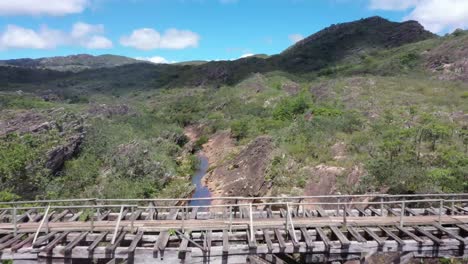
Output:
(245, 174)
(110, 110)
(57, 156)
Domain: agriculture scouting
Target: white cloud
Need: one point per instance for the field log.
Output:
(294, 38)
(37, 7)
(392, 4)
(149, 39)
(155, 59)
(97, 42)
(81, 29)
(435, 15)
(82, 34)
(246, 55)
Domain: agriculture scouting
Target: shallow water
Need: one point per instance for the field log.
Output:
(201, 191)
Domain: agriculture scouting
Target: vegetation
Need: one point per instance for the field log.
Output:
(405, 128)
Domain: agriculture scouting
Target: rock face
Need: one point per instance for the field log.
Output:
(69, 127)
(58, 155)
(245, 174)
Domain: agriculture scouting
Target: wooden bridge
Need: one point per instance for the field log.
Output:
(313, 229)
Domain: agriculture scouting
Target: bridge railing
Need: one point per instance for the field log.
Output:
(236, 200)
(342, 210)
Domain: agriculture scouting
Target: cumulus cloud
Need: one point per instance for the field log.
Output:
(82, 34)
(155, 59)
(49, 7)
(149, 39)
(435, 15)
(295, 37)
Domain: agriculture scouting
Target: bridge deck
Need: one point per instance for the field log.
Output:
(261, 233)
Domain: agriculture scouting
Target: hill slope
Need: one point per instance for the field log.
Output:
(72, 63)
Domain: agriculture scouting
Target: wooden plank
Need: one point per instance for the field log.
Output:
(321, 212)
(450, 234)
(136, 215)
(463, 227)
(24, 216)
(411, 211)
(409, 233)
(57, 217)
(461, 209)
(269, 212)
(161, 242)
(341, 237)
(307, 238)
(135, 242)
(362, 212)
(266, 234)
(292, 235)
(323, 237)
(251, 240)
(356, 235)
(44, 238)
(98, 240)
(256, 260)
(391, 210)
(75, 217)
(19, 245)
(193, 213)
(225, 241)
(374, 236)
(393, 236)
(208, 239)
(5, 238)
(111, 247)
(184, 242)
(280, 239)
(283, 213)
(374, 211)
(425, 233)
(75, 242)
(11, 241)
(55, 242)
(104, 215)
(124, 214)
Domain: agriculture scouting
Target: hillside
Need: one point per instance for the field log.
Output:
(329, 47)
(366, 106)
(73, 63)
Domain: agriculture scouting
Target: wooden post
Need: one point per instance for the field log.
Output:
(287, 219)
(15, 225)
(382, 206)
(252, 234)
(345, 221)
(132, 220)
(40, 225)
(402, 213)
(92, 220)
(338, 207)
(441, 205)
(288, 216)
(183, 218)
(117, 225)
(453, 206)
(230, 219)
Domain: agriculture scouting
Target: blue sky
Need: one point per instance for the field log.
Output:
(182, 30)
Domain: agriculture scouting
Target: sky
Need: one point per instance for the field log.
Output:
(166, 31)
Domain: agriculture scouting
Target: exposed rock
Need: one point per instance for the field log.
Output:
(218, 147)
(339, 151)
(245, 174)
(24, 123)
(291, 88)
(58, 155)
(110, 110)
(328, 180)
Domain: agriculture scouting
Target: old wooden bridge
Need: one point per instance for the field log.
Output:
(314, 229)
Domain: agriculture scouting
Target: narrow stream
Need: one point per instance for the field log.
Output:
(201, 191)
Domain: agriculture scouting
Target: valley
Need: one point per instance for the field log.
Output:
(345, 111)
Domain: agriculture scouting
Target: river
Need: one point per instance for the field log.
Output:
(201, 191)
